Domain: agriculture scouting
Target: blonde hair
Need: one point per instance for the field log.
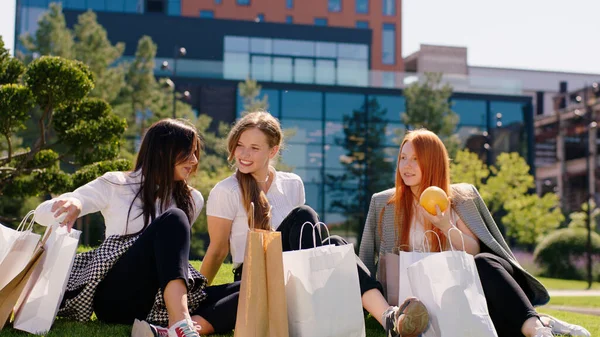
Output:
(434, 163)
(251, 192)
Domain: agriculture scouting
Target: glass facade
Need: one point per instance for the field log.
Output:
(389, 44)
(297, 61)
(344, 145)
(362, 6)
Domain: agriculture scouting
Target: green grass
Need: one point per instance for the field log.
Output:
(67, 328)
(576, 301)
(557, 284)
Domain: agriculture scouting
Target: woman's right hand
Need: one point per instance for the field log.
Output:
(71, 206)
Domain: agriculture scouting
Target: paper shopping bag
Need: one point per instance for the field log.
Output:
(9, 236)
(36, 310)
(323, 293)
(262, 308)
(449, 286)
(9, 294)
(405, 260)
(388, 276)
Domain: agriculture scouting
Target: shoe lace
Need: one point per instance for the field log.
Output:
(187, 330)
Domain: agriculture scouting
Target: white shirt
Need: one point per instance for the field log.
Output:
(418, 241)
(112, 195)
(225, 201)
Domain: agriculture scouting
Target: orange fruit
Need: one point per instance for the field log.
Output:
(432, 196)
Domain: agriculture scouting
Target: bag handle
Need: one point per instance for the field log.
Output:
(313, 232)
(427, 239)
(251, 216)
(461, 237)
(25, 225)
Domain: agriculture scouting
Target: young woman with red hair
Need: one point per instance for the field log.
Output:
(396, 219)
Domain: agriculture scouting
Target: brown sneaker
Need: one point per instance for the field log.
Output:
(410, 319)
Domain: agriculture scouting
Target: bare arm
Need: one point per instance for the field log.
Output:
(219, 230)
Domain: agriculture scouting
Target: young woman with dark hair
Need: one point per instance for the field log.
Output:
(140, 273)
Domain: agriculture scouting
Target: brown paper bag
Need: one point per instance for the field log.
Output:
(9, 295)
(262, 307)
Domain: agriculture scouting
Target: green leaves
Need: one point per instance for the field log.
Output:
(15, 102)
(58, 82)
(10, 70)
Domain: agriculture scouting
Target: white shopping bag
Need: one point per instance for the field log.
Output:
(405, 260)
(36, 310)
(323, 294)
(18, 247)
(449, 286)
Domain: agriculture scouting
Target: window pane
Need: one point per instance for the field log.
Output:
(38, 3)
(394, 132)
(362, 6)
(382, 108)
(236, 66)
(289, 19)
(389, 7)
(218, 2)
(314, 196)
(352, 72)
(512, 113)
(335, 156)
(174, 8)
(325, 72)
(294, 47)
(335, 5)
(115, 5)
(301, 104)
(99, 5)
(334, 132)
(261, 68)
(303, 156)
(133, 6)
(320, 21)
(308, 175)
(289, 4)
(243, 2)
(304, 71)
(337, 106)
(260, 45)
(272, 99)
(471, 112)
(207, 14)
(326, 49)
(389, 44)
(77, 4)
(362, 24)
(261, 17)
(282, 69)
(305, 131)
(237, 43)
(353, 51)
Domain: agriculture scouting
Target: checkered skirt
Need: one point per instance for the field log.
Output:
(90, 268)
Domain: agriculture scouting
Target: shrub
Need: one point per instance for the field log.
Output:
(561, 253)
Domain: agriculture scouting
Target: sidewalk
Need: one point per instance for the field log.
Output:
(558, 293)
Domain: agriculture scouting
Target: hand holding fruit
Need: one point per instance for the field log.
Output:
(434, 205)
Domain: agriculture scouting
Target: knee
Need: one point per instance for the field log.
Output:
(175, 218)
(305, 213)
(485, 261)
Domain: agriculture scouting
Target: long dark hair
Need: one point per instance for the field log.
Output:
(166, 143)
(251, 192)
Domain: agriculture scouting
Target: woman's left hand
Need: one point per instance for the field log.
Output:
(441, 220)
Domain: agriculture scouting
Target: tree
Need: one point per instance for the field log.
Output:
(93, 48)
(250, 90)
(428, 106)
(75, 133)
(52, 37)
(505, 188)
(366, 169)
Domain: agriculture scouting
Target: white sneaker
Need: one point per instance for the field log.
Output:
(563, 328)
(543, 332)
(183, 328)
(145, 329)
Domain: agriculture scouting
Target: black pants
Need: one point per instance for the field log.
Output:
(506, 292)
(159, 256)
(290, 229)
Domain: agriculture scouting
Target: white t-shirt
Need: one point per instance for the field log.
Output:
(417, 240)
(225, 201)
(111, 194)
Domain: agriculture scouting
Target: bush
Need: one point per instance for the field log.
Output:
(562, 253)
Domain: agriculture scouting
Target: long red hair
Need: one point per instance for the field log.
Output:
(435, 171)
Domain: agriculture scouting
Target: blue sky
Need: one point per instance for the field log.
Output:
(552, 35)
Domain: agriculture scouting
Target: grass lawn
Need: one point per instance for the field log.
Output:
(557, 284)
(576, 301)
(67, 328)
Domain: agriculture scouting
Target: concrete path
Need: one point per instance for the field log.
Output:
(575, 293)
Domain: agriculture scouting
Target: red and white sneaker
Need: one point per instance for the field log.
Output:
(183, 328)
(145, 329)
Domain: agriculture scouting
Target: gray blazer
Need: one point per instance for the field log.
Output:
(471, 210)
